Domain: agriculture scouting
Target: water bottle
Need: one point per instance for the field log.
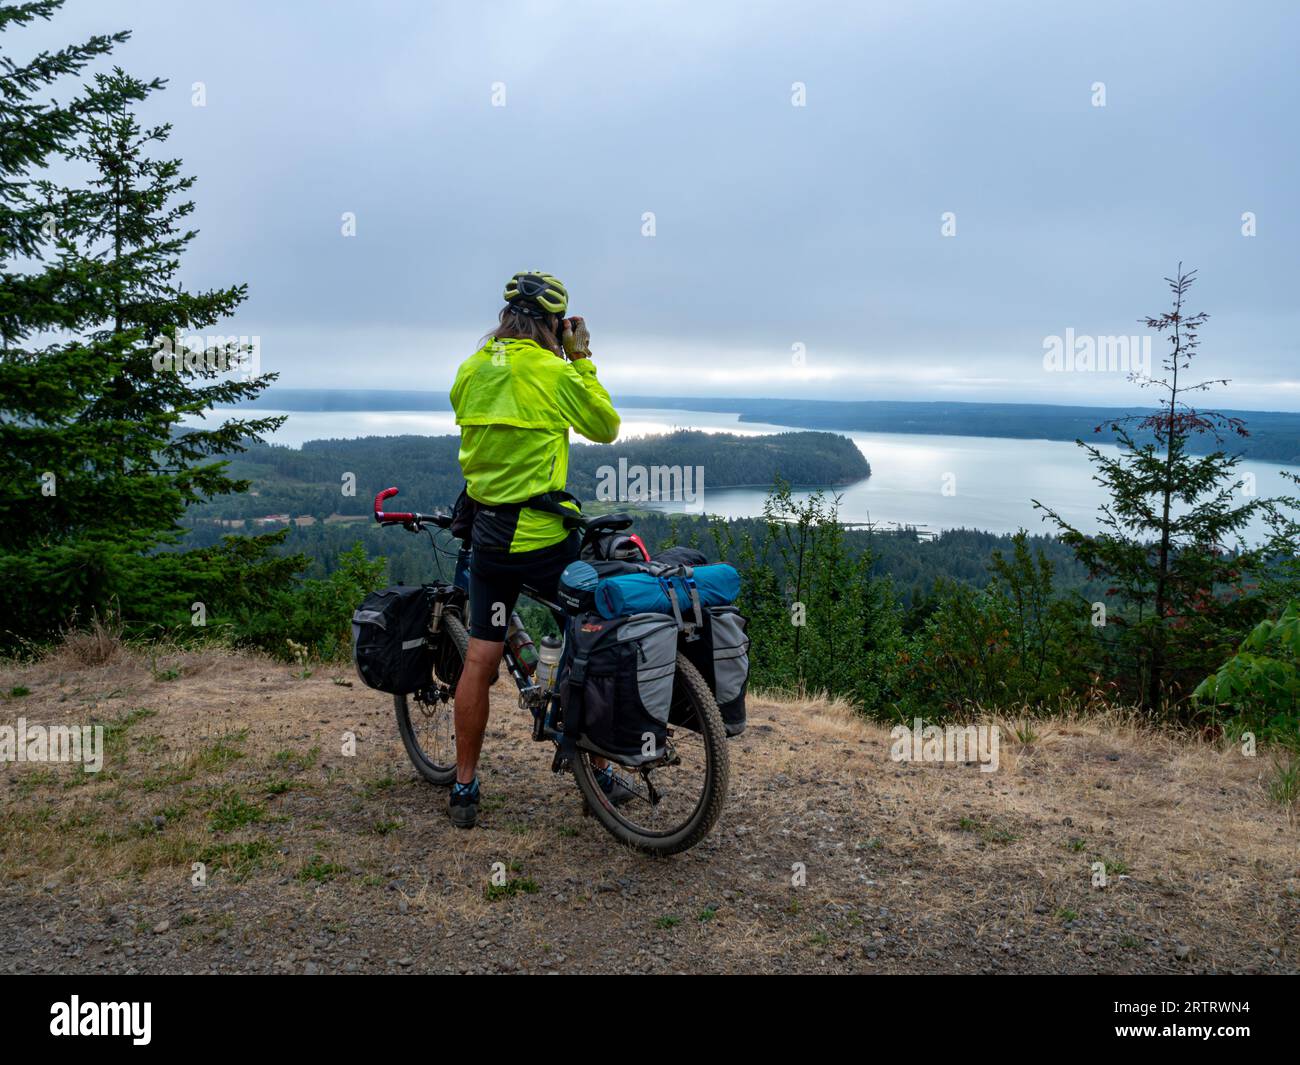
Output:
(461, 577)
(548, 661)
(521, 644)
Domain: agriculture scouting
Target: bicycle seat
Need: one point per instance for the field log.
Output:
(609, 522)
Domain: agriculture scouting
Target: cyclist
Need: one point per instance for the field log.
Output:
(515, 400)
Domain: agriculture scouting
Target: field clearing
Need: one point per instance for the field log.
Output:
(320, 862)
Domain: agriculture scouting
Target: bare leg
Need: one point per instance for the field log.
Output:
(472, 704)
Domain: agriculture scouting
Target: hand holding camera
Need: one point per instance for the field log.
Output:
(576, 339)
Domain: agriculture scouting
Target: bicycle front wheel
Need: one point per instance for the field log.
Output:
(428, 725)
(671, 807)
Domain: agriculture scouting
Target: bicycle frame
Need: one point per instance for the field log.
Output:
(529, 690)
(530, 693)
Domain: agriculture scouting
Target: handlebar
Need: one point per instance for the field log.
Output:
(412, 520)
(381, 517)
(415, 521)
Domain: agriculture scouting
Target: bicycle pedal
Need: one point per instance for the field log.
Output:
(561, 763)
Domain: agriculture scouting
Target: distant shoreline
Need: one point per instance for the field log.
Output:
(391, 399)
(1274, 436)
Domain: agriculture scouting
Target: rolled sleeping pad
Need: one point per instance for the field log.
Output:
(644, 593)
(579, 581)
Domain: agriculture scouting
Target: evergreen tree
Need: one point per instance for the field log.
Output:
(39, 381)
(1171, 549)
(31, 132)
(1280, 583)
(97, 470)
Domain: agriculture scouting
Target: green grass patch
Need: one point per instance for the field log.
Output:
(317, 869)
(78, 820)
(371, 788)
(174, 811)
(1284, 784)
(296, 761)
(516, 885)
(240, 859)
(115, 731)
(180, 775)
(998, 835)
(150, 744)
(222, 753)
(988, 833)
(32, 779)
(233, 812)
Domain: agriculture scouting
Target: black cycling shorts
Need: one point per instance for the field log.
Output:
(495, 578)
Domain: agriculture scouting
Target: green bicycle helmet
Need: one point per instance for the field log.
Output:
(534, 292)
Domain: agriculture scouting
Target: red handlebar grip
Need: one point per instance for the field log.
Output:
(379, 509)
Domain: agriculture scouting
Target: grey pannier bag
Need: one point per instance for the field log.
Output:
(730, 644)
(619, 685)
(721, 654)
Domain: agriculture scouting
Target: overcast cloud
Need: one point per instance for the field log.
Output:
(776, 225)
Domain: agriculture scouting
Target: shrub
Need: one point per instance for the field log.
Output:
(1260, 684)
(314, 613)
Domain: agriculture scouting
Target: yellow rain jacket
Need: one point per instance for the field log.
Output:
(515, 403)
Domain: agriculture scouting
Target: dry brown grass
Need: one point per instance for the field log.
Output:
(97, 644)
(1180, 817)
(242, 756)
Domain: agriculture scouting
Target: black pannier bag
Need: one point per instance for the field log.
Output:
(618, 688)
(389, 639)
(612, 546)
(681, 555)
(721, 654)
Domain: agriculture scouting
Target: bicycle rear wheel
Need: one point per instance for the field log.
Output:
(673, 806)
(427, 725)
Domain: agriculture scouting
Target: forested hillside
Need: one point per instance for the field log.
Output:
(302, 488)
(912, 562)
(312, 480)
(1273, 436)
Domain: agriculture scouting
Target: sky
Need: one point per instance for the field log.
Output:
(888, 200)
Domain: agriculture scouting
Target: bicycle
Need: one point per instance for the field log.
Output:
(676, 798)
